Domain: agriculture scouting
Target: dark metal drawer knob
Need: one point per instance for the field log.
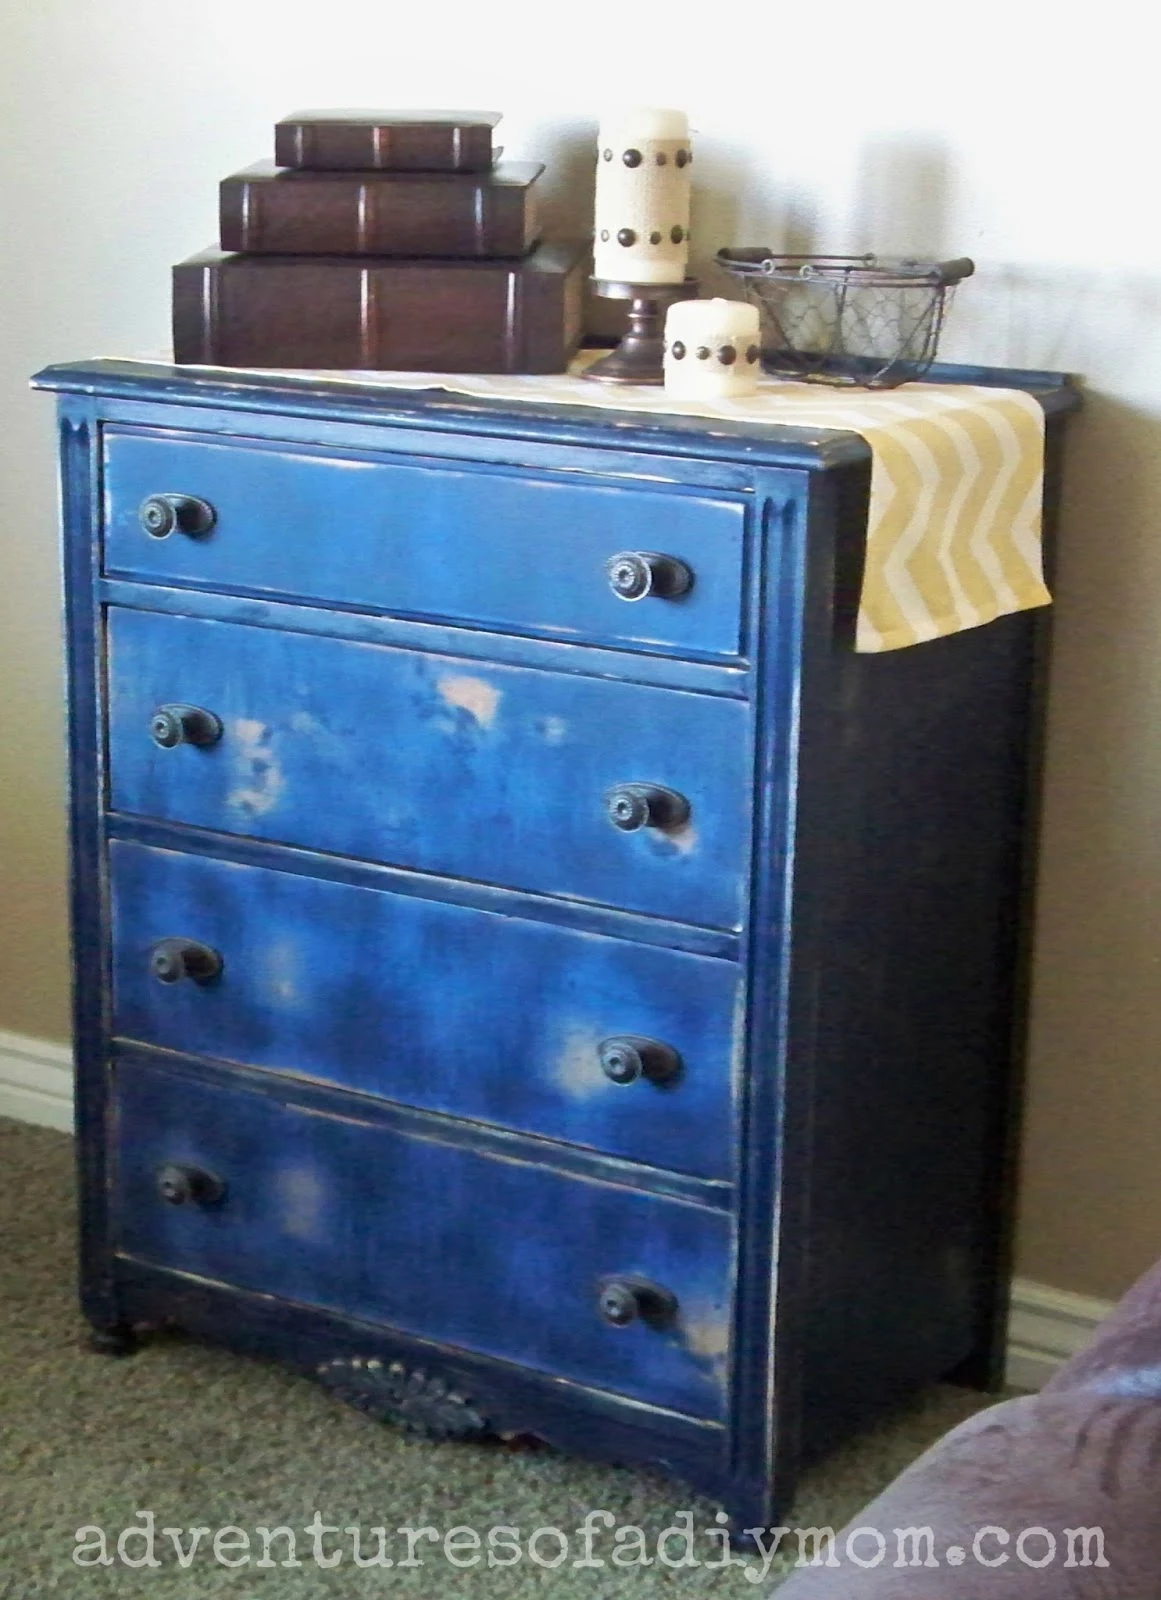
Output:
(636, 573)
(163, 514)
(621, 1301)
(183, 1186)
(629, 1057)
(645, 805)
(171, 960)
(174, 725)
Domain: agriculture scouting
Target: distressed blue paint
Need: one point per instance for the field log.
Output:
(351, 416)
(523, 552)
(434, 1005)
(477, 770)
(499, 1256)
(863, 862)
(589, 918)
(548, 655)
(78, 427)
(314, 1095)
(400, 434)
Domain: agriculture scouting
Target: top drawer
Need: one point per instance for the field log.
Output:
(476, 543)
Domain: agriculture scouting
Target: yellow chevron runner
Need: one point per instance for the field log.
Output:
(957, 476)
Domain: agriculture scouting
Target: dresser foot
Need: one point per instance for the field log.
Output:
(116, 1341)
(984, 1369)
(758, 1529)
(755, 1539)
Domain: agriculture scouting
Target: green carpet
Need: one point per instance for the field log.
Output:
(204, 1438)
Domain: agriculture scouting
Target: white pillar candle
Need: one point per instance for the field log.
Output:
(642, 209)
(711, 349)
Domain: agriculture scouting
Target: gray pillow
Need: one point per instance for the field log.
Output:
(1053, 1496)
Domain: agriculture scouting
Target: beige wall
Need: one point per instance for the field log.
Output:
(990, 130)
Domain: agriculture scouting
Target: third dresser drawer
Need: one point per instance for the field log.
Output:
(523, 553)
(597, 1041)
(542, 781)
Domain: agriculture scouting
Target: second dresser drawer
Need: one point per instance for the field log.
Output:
(521, 553)
(463, 768)
(432, 1004)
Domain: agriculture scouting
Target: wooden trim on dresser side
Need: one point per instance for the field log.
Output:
(80, 506)
(764, 1410)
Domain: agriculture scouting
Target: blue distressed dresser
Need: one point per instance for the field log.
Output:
(526, 1011)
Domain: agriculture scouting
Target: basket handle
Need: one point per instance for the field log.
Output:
(946, 272)
(954, 271)
(743, 255)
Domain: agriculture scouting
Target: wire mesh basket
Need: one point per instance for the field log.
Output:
(847, 319)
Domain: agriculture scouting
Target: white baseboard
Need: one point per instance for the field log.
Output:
(36, 1081)
(1047, 1326)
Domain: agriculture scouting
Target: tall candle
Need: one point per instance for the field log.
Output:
(642, 208)
(711, 349)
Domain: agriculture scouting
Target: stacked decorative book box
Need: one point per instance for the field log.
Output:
(389, 240)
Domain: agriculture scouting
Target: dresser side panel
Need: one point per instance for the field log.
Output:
(914, 857)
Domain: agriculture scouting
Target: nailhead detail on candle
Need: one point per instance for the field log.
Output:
(678, 351)
(604, 235)
(681, 157)
(752, 354)
(718, 333)
(641, 196)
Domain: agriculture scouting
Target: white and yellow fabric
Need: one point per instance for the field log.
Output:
(957, 475)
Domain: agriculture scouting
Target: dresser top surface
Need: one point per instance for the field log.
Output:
(344, 400)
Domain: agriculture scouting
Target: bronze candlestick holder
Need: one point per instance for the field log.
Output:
(637, 359)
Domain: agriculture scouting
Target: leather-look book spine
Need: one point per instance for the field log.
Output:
(336, 312)
(269, 209)
(386, 141)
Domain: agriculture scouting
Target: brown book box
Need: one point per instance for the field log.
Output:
(386, 141)
(383, 240)
(269, 210)
(378, 312)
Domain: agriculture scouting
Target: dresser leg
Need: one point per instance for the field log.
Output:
(119, 1340)
(984, 1369)
(757, 1527)
(753, 1538)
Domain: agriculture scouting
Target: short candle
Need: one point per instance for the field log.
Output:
(711, 349)
(642, 205)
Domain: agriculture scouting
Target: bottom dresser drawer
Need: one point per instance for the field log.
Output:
(578, 1278)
